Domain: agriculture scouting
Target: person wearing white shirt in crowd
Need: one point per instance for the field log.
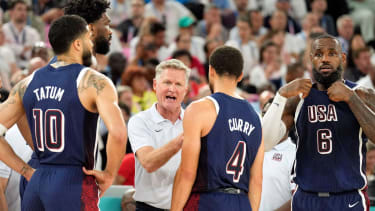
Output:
(156, 138)
(19, 36)
(10, 179)
(270, 66)
(168, 13)
(246, 45)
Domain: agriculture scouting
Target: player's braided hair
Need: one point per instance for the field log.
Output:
(90, 10)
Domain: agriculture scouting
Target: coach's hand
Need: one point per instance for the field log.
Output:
(103, 179)
(294, 88)
(338, 91)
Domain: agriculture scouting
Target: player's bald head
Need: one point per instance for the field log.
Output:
(326, 40)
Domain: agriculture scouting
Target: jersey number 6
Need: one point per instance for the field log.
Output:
(235, 163)
(324, 141)
(49, 129)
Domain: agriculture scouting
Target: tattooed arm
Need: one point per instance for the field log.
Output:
(361, 104)
(11, 111)
(99, 92)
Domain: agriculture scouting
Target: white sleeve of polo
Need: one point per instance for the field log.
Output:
(3, 130)
(274, 128)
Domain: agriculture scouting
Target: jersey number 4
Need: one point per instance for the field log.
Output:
(324, 141)
(49, 129)
(236, 162)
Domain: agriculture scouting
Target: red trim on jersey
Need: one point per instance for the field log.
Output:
(364, 191)
(193, 202)
(89, 194)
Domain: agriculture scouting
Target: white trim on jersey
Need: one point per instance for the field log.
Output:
(81, 74)
(361, 157)
(363, 200)
(217, 107)
(298, 110)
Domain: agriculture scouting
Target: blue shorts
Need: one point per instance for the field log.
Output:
(217, 201)
(355, 200)
(55, 188)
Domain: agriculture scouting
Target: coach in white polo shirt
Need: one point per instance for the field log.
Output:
(156, 138)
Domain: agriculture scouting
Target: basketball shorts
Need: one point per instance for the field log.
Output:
(355, 200)
(217, 201)
(55, 188)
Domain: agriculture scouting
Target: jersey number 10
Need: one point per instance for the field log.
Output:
(236, 162)
(49, 129)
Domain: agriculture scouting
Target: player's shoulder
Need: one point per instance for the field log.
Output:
(94, 79)
(202, 105)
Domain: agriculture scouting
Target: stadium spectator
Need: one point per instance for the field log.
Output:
(19, 36)
(319, 8)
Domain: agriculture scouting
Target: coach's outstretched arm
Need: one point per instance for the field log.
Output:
(102, 93)
(279, 117)
(361, 103)
(152, 158)
(11, 111)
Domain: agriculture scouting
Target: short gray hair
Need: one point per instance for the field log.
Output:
(341, 19)
(173, 64)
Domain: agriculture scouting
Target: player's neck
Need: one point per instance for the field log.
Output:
(227, 86)
(68, 59)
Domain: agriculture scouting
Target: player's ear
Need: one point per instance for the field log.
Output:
(343, 57)
(211, 71)
(240, 77)
(77, 44)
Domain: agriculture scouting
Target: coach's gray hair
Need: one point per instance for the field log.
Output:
(173, 64)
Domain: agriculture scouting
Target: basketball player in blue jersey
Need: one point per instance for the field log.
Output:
(333, 119)
(94, 13)
(62, 102)
(222, 153)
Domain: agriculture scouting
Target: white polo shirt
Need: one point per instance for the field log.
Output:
(149, 128)
(277, 180)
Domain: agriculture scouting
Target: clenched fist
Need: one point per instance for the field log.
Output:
(296, 87)
(338, 91)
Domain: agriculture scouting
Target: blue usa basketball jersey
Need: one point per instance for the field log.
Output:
(227, 154)
(63, 130)
(331, 147)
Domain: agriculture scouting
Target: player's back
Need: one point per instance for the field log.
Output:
(63, 130)
(331, 147)
(229, 149)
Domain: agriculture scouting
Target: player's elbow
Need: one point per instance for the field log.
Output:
(187, 174)
(119, 135)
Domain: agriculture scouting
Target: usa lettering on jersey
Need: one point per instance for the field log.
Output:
(322, 113)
